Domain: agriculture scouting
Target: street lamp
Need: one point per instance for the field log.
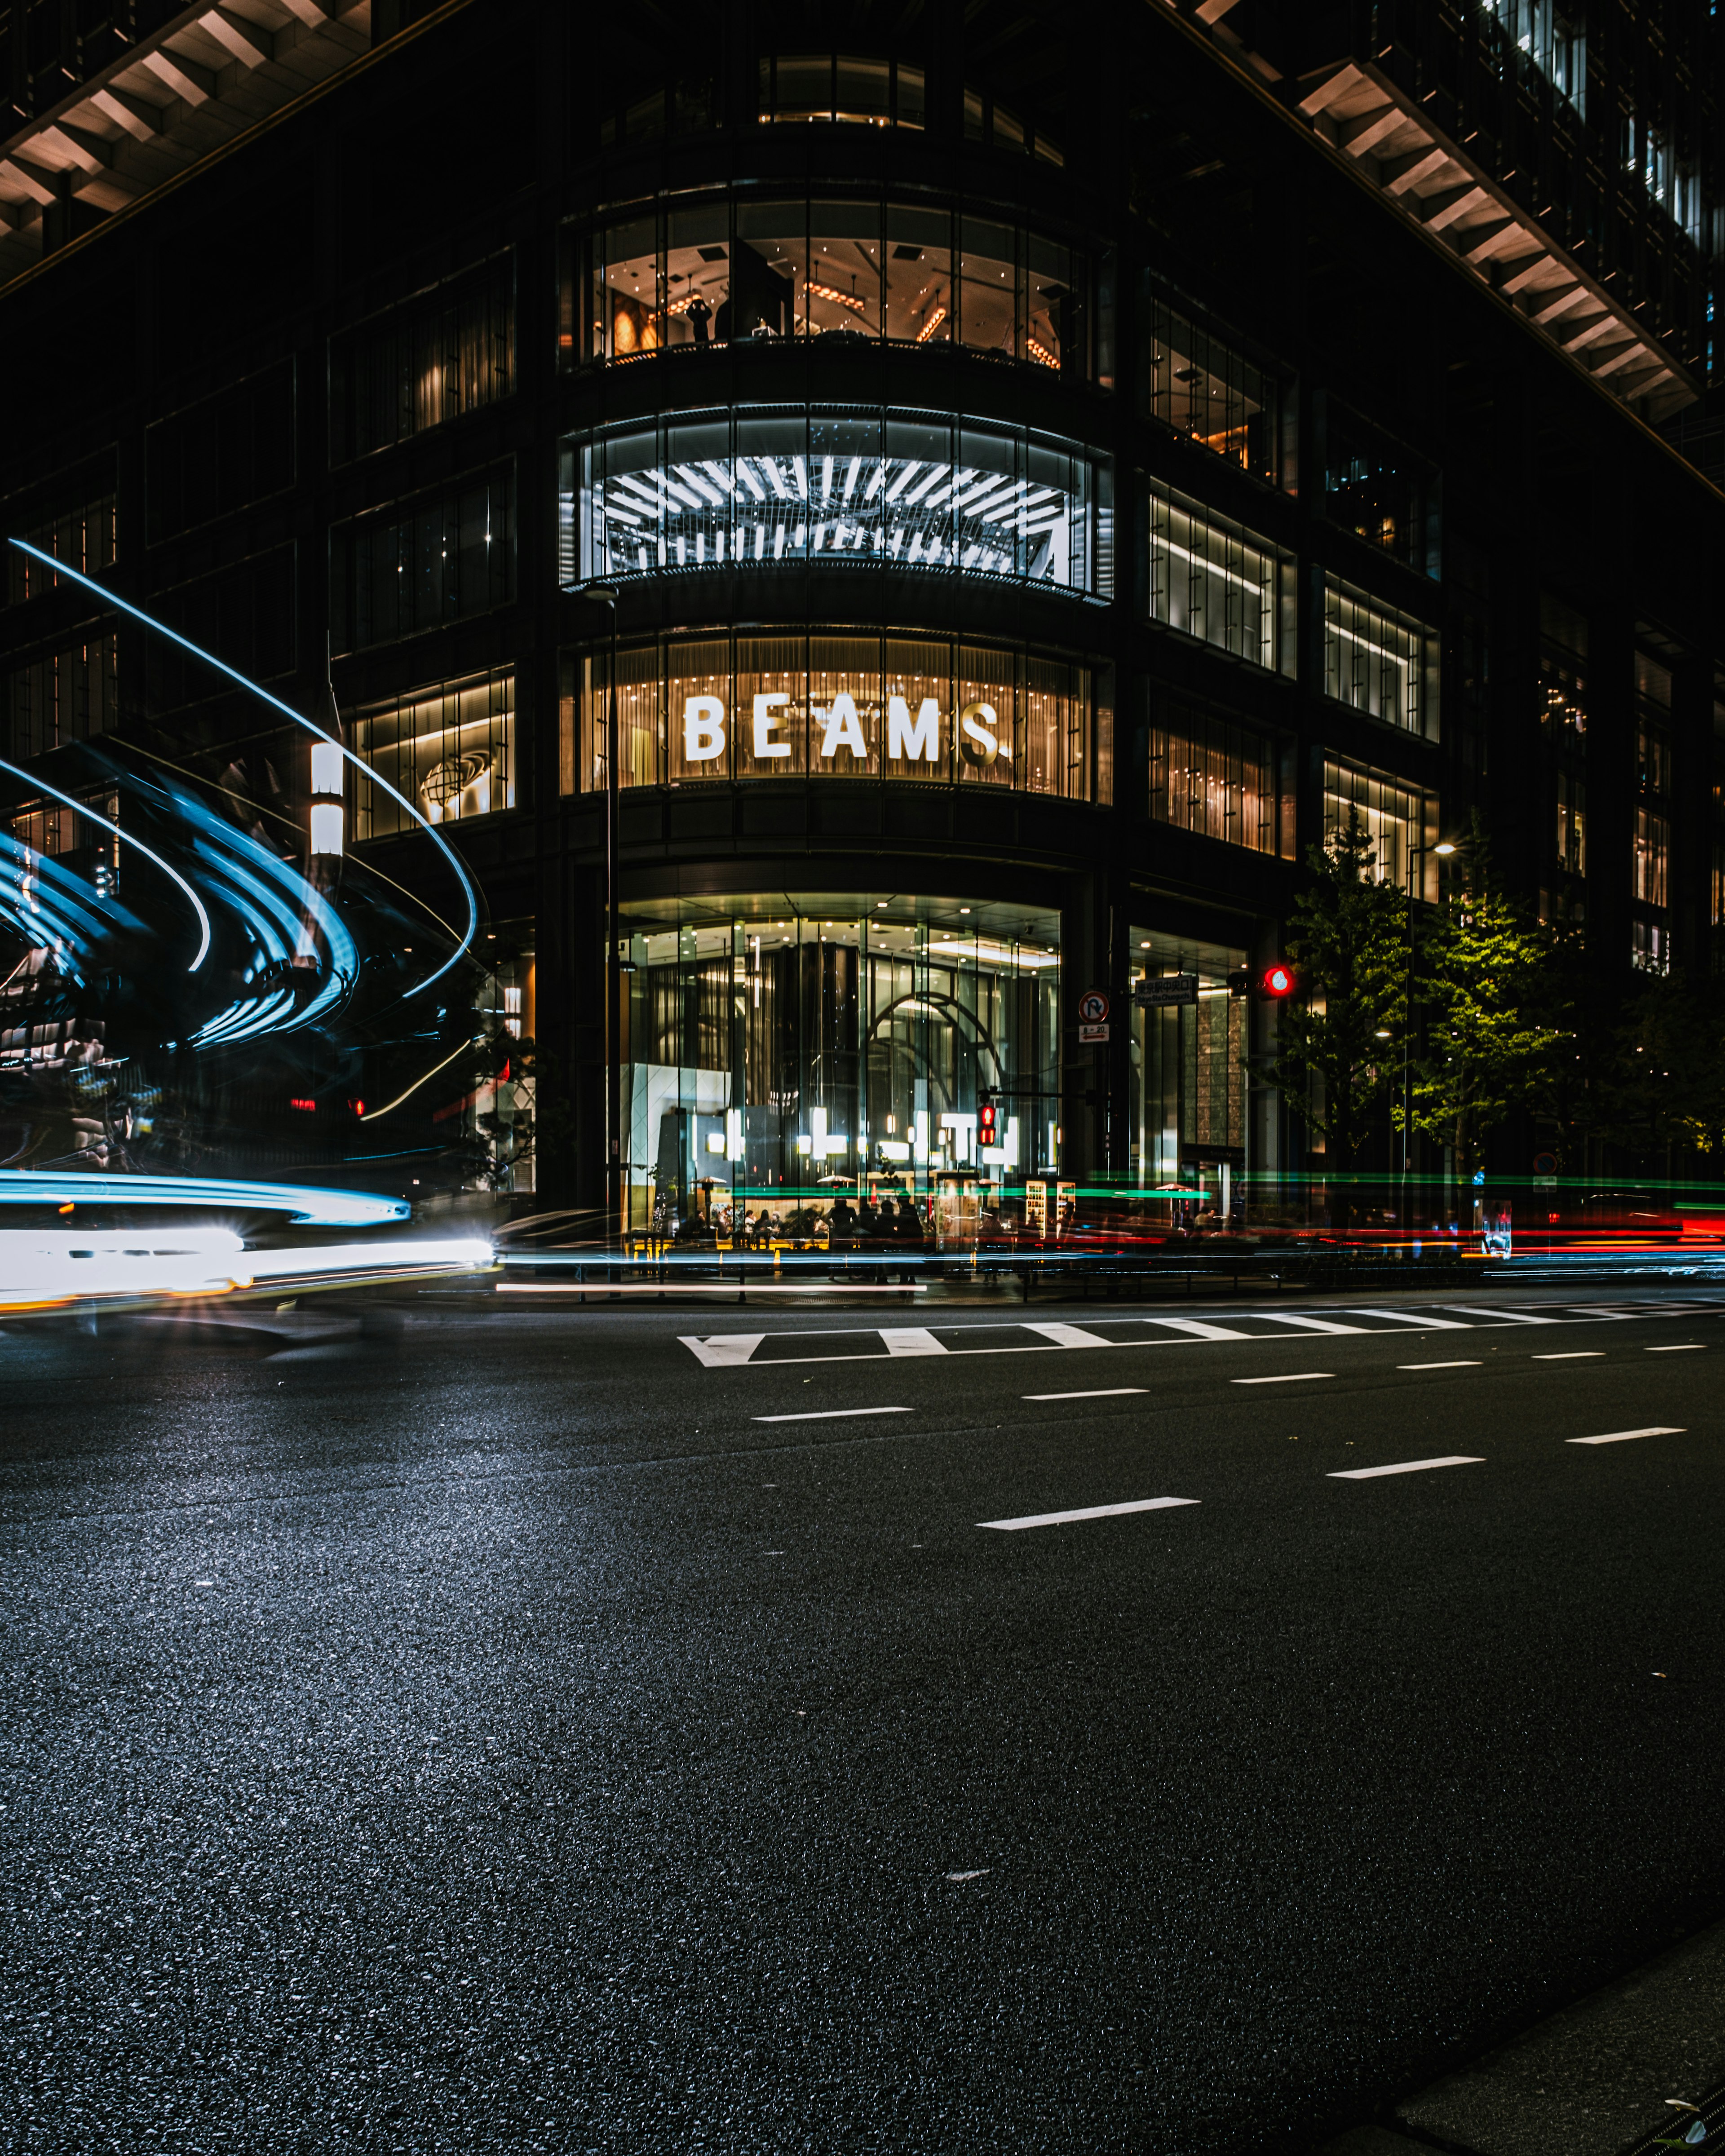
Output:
(605, 595)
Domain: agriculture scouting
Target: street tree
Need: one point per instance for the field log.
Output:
(1666, 1082)
(1348, 940)
(1491, 1031)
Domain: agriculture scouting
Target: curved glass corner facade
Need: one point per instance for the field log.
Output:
(706, 272)
(780, 1051)
(765, 486)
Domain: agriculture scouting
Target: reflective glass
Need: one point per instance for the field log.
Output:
(988, 294)
(919, 275)
(842, 295)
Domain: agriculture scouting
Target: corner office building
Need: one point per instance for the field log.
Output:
(1052, 463)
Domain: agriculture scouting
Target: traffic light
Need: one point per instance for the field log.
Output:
(1276, 982)
(985, 1121)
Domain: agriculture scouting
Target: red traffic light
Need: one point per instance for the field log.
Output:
(1276, 981)
(985, 1122)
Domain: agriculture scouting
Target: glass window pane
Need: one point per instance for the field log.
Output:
(919, 275)
(697, 274)
(843, 292)
(986, 733)
(698, 708)
(844, 705)
(769, 265)
(805, 87)
(771, 476)
(771, 719)
(631, 289)
(864, 91)
(1055, 305)
(988, 297)
(696, 484)
(917, 685)
(917, 494)
(910, 106)
(845, 483)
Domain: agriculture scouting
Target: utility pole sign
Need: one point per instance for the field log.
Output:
(1167, 988)
(1092, 1016)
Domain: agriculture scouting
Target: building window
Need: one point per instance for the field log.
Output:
(1189, 1075)
(711, 273)
(1210, 776)
(1400, 820)
(84, 534)
(1192, 382)
(415, 567)
(1650, 947)
(450, 749)
(987, 120)
(423, 365)
(1379, 492)
(1214, 580)
(66, 695)
(1379, 661)
(841, 706)
(1571, 824)
(789, 1063)
(770, 486)
(842, 89)
(222, 454)
(1652, 859)
(245, 614)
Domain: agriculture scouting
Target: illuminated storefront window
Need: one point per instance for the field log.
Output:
(450, 749)
(791, 1061)
(765, 487)
(1188, 1106)
(840, 707)
(1381, 662)
(1220, 779)
(1400, 820)
(1214, 580)
(706, 273)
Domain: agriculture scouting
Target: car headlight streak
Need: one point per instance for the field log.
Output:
(305, 1205)
(49, 905)
(60, 568)
(83, 808)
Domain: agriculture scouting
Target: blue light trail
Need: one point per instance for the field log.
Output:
(308, 1207)
(76, 576)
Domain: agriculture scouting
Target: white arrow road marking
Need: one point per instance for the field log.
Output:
(1617, 1436)
(1085, 1513)
(1406, 1467)
(912, 1340)
(724, 1349)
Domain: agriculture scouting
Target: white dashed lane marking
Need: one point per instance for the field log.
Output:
(1085, 1513)
(1283, 1377)
(1407, 1467)
(830, 1414)
(1469, 1365)
(1097, 1393)
(1618, 1436)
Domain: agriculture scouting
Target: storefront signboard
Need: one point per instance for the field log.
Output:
(1170, 989)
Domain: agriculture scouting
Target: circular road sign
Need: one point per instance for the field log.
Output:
(1093, 1007)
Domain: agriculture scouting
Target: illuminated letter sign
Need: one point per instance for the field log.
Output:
(917, 741)
(842, 729)
(766, 720)
(703, 728)
(978, 744)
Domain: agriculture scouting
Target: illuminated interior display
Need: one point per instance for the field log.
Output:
(1380, 661)
(1195, 383)
(838, 705)
(1211, 578)
(760, 488)
(450, 748)
(706, 273)
(1400, 820)
(788, 1055)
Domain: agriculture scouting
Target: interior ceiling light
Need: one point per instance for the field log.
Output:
(839, 299)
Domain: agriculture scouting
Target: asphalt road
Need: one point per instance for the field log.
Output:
(529, 1731)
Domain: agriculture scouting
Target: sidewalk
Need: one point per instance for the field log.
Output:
(1593, 2080)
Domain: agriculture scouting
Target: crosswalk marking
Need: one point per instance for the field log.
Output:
(724, 1349)
(912, 1340)
(1001, 1335)
(1071, 1335)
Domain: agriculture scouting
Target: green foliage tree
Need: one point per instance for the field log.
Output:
(1490, 1028)
(1348, 941)
(1665, 1083)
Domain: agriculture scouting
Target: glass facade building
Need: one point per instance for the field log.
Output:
(917, 476)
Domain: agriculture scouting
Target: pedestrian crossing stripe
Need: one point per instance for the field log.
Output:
(721, 1350)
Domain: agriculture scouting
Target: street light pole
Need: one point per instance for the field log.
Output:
(603, 595)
